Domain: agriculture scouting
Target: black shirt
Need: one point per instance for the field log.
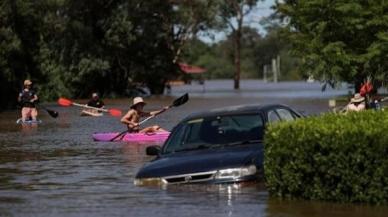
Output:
(26, 96)
(96, 103)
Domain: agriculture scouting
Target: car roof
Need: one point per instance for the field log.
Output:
(238, 109)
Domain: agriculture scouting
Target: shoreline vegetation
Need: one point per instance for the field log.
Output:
(73, 48)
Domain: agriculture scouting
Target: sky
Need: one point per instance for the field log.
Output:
(262, 10)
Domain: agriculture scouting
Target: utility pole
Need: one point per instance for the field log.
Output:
(274, 71)
(278, 65)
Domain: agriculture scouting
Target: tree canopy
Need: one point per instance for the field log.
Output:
(73, 48)
(338, 40)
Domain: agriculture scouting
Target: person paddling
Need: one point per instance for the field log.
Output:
(28, 98)
(132, 118)
(95, 102)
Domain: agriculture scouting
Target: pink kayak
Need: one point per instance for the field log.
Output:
(132, 137)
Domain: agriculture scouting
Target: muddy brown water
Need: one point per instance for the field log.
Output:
(56, 169)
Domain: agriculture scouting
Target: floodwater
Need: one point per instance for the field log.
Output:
(55, 169)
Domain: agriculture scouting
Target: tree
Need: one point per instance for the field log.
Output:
(189, 17)
(19, 22)
(73, 48)
(142, 40)
(338, 40)
(110, 46)
(218, 58)
(236, 10)
(274, 45)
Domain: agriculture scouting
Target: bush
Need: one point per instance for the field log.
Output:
(332, 157)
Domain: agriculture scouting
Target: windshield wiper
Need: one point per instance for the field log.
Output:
(194, 148)
(244, 142)
(211, 146)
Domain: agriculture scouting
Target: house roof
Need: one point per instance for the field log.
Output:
(189, 69)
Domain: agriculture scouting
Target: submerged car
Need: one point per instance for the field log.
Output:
(218, 146)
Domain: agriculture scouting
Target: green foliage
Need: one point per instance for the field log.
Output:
(256, 51)
(338, 40)
(16, 48)
(269, 47)
(330, 157)
(73, 48)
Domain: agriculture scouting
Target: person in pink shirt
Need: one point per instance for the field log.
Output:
(357, 103)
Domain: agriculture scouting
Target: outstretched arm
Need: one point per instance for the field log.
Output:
(157, 112)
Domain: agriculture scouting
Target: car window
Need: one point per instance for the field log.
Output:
(191, 132)
(217, 130)
(285, 114)
(175, 139)
(273, 116)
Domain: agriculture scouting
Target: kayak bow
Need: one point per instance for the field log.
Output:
(91, 113)
(133, 137)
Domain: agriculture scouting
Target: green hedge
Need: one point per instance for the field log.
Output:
(331, 157)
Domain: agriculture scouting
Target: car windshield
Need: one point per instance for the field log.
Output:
(215, 132)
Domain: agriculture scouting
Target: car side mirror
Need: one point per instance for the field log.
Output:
(153, 150)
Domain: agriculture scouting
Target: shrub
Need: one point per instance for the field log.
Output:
(331, 157)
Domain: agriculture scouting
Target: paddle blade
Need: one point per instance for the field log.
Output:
(64, 102)
(52, 113)
(181, 100)
(115, 112)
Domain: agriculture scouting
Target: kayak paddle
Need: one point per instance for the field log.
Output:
(66, 102)
(177, 102)
(52, 113)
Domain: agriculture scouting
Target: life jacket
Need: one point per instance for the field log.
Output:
(26, 97)
(366, 88)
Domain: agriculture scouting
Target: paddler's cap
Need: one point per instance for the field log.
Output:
(357, 98)
(137, 100)
(27, 82)
(94, 95)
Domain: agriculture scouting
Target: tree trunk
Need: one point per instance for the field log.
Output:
(357, 86)
(358, 81)
(237, 59)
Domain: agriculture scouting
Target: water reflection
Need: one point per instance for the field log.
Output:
(248, 199)
(297, 208)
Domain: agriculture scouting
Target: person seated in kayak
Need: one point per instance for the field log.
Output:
(95, 102)
(27, 99)
(357, 103)
(132, 118)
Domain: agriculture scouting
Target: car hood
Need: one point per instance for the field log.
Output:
(203, 161)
